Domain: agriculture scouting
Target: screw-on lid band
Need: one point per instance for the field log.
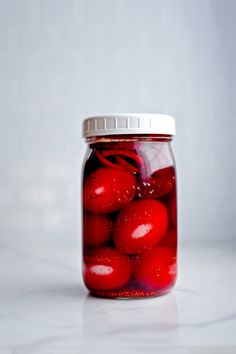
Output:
(130, 123)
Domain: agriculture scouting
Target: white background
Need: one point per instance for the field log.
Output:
(61, 60)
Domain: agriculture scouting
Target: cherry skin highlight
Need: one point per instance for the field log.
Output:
(106, 269)
(159, 184)
(108, 189)
(140, 225)
(156, 269)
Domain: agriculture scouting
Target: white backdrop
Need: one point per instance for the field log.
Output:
(61, 60)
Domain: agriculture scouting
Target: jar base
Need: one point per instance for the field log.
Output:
(129, 294)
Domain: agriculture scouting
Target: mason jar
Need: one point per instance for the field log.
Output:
(129, 206)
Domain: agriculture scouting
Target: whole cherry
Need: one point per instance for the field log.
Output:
(156, 269)
(140, 225)
(97, 229)
(170, 238)
(108, 189)
(106, 269)
(159, 184)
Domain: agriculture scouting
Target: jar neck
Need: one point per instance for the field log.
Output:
(128, 138)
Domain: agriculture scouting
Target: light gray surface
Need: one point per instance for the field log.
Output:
(46, 310)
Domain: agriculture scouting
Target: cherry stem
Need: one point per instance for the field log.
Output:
(129, 154)
(122, 162)
(108, 163)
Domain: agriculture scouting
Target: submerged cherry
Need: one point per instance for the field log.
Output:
(159, 184)
(172, 207)
(97, 229)
(170, 238)
(108, 189)
(106, 269)
(140, 225)
(156, 269)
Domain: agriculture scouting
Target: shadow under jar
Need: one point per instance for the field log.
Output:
(129, 206)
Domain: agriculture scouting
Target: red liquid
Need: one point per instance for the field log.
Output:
(130, 219)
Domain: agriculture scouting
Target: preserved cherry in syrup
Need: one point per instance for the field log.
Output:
(159, 184)
(129, 218)
(140, 226)
(108, 189)
(156, 269)
(106, 269)
(97, 230)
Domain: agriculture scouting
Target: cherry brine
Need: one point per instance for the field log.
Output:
(129, 217)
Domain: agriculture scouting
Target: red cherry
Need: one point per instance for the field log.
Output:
(170, 239)
(156, 268)
(97, 229)
(106, 269)
(140, 225)
(107, 190)
(160, 183)
(172, 208)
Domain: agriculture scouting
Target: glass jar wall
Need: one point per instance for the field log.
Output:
(129, 215)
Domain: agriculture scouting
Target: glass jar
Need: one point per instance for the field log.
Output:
(129, 206)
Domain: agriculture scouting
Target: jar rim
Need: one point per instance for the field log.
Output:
(129, 124)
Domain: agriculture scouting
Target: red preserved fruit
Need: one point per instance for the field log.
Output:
(156, 269)
(97, 230)
(170, 239)
(159, 184)
(140, 225)
(106, 269)
(130, 223)
(108, 189)
(172, 208)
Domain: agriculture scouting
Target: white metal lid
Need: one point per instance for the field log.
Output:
(130, 123)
